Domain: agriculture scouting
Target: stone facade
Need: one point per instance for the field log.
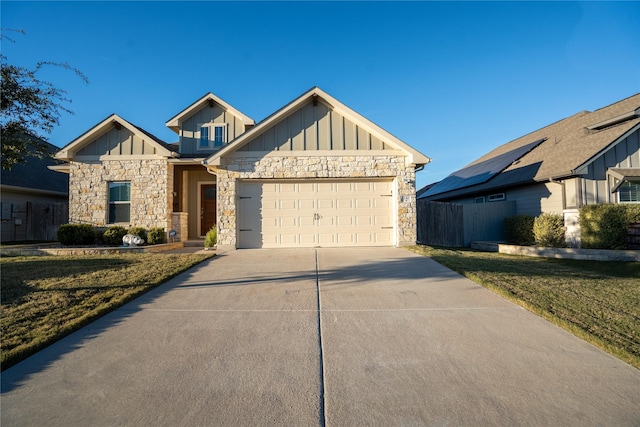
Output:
(151, 195)
(309, 167)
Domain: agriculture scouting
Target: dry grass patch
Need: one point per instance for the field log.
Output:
(597, 301)
(45, 298)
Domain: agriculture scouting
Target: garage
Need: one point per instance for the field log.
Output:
(315, 213)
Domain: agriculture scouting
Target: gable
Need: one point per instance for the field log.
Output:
(113, 137)
(315, 121)
(208, 113)
(315, 126)
(117, 142)
(177, 122)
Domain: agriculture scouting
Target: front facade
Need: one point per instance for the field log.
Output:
(314, 173)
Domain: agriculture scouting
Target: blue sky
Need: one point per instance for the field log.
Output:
(452, 79)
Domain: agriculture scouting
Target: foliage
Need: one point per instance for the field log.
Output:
(156, 236)
(114, 234)
(605, 226)
(76, 234)
(519, 229)
(46, 298)
(30, 108)
(138, 231)
(597, 301)
(211, 237)
(548, 230)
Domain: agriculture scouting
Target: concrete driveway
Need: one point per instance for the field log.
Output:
(337, 337)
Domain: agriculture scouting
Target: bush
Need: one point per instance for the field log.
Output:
(76, 234)
(156, 236)
(548, 230)
(99, 235)
(211, 238)
(114, 234)
(138, 231)
(519, 229)
(606, 226)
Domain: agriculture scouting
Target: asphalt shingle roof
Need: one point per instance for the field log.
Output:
(568, 144)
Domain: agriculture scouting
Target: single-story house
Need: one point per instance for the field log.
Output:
(589, 158)
(313, 173)
(34, 198)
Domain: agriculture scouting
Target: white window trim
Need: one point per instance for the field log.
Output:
(117, 202)
(212, 127)
(498, 197)
(625, 202)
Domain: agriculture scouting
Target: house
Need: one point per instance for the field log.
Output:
(34, 198)
(313, 173)
(588, 158)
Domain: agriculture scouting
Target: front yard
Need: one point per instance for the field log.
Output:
(45, 298)
(597, 301)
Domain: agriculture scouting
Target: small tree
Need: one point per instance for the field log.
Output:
(30, 108)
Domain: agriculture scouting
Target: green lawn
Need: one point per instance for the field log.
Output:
(45, 298)
(597, 301)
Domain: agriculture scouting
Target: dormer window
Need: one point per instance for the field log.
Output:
(212, 136)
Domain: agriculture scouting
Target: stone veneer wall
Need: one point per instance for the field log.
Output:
(304, 167)
(151, 191)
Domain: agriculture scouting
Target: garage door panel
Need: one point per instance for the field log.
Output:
(316, 213)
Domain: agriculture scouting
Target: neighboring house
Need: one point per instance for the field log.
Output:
(34, 199)
(588, 158)
(314, 173)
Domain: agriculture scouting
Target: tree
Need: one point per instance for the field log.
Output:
(30, 108)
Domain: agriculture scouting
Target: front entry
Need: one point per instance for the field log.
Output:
(207, 208)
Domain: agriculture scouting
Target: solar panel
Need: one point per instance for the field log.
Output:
(480, 173)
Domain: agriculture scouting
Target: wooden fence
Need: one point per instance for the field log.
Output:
(32, 220)
(457, 225)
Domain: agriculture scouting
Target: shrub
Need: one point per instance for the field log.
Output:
(606, 226)
(138, 231)
(99, 235)
(548, 230)
(156, 236)
(211, 238)
(76, 234)
(519, 229)
(114, 234)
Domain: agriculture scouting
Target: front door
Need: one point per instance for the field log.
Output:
(207, 208)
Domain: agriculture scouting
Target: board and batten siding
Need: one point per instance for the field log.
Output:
(595, 187)
(117, 142)
(190, 127)
(190, 196)
(314, 128)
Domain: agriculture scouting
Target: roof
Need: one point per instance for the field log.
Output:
(34, 174)
(624, 174)
(559, 150)
(174, 122)
(66, 153)
(315, 92)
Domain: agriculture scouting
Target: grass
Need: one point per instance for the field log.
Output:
(597, 301)
(46, 298)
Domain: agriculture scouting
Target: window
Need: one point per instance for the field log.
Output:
(212, 136)
(119, 202)
(496, 197)
(479, 199)
(629, 192)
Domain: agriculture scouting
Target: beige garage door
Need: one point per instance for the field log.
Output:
(275, 214)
